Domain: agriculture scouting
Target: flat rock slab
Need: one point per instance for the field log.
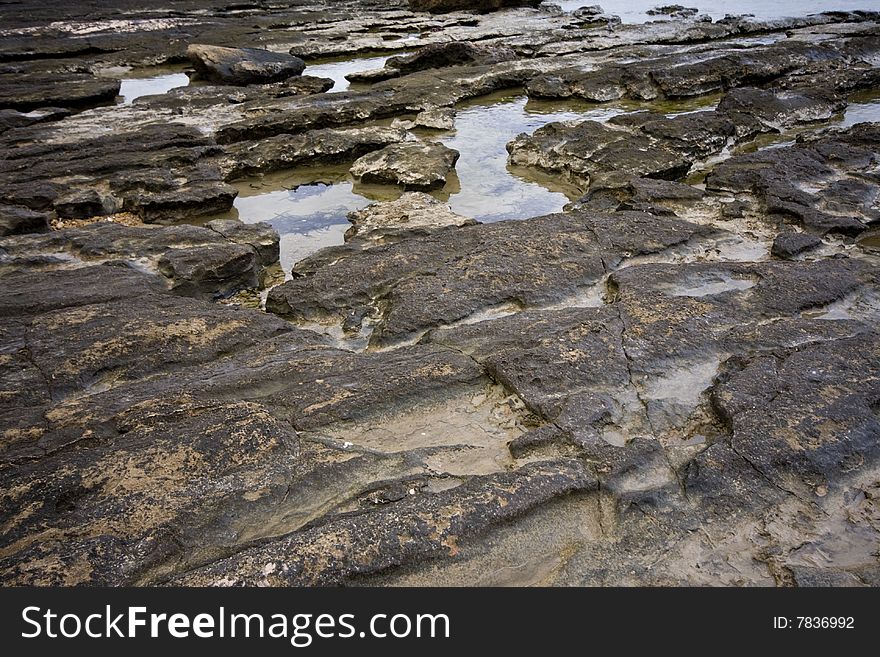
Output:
(452, 273)
(32, 91)
(243, 66)
(314, 147)
(789, 245)
(161, 172)
(440, 118)
(410, 165)
(216, 260)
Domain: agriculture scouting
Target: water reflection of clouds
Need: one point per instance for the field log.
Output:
(132, 88)
(635, 11)
(337, 71)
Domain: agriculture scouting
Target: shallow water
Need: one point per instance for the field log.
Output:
(634, 11)
(308, 207)
(149, 83)
(336, 70)
(863, 107)
(488, 189)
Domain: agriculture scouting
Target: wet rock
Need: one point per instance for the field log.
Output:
(215, 270)
(418, 165)
(32, 91)
(411, 213)
(782, 109)
(789, 245)
(242, 66)
(106, 345)
(260, 237)
(594, 14)
(10, 119)
(447, 383)
(26, 292)
(677, 76)
(310, 148)
(110, 527)
(611, 365)
(581, 150)
(162, 172)
(17, 220)
(419, 282)
(617, 191)
(734, 210)
(816, 419)
(219, 259)
(443, 6)
(829, 167)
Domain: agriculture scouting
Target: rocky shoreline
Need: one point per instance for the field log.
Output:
(673, 380)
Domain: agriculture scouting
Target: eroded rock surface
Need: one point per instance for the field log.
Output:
(416, 165)
(675, 380)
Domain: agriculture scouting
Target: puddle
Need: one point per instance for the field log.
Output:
(863, 305)
(151, 82)
(711, 284)
(466, 435)
(489, 190)
(635, 11)
(682, 383)
(863, 108)
(308, 208)
(336, 69)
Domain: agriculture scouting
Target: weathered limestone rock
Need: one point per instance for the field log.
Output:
(412, 212)
(32, 91)
(313, 147)
(416, 165)
(419, 284)
(162, 172)
(658, 386)
(841, 198)
(439, 118)
(455, 53)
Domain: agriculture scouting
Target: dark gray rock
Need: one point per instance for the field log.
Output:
(673, 11)
(832, 165)
(418, 283)
(216, 260)
(32, 91)
(788, 245)
(17, 220)
(431, 526)
(454, 53)
(162, 172)
(242, 66)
